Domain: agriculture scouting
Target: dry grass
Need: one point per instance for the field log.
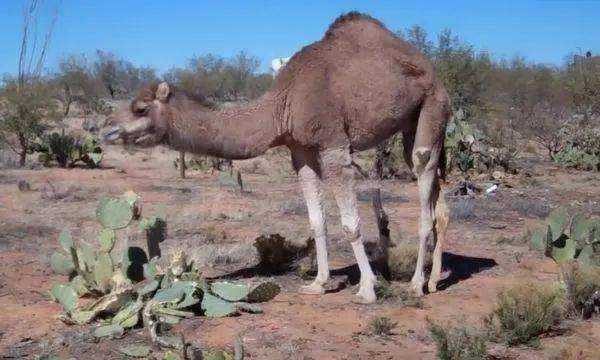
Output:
(402, 261)
(382, 326)
(457, 342)
(582, 283)
(526, 311)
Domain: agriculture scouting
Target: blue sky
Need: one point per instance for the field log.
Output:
(167, 33)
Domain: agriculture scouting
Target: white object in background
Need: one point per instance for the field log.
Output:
(278, 63)
(491, 189)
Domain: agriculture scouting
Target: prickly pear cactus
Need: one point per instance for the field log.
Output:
(229, 291)
(162, 293)
(264, 292)
(114, 213)
(65, 295)
(565, 238)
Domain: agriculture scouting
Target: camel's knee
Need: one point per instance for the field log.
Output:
(351, 233)
(420, 159)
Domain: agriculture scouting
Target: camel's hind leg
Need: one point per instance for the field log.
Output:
(441, 225)
(426, 157)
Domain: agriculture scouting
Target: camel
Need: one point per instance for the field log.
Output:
(348, 92)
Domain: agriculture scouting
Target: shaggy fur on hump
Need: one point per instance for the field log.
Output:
(351, 17)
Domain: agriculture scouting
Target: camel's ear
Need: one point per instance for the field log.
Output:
(162, 93)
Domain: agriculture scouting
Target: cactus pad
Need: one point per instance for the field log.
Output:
(229, 291)
(65, 241)
(563, 250)
(114, 213)
(65, 295)
(263, 292)
(103, 270)
(558, 220)
(216, 307)
(61, 264)
(113, 330)
(107, 239)
(538, 240)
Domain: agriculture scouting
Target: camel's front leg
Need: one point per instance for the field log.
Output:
(313, 194)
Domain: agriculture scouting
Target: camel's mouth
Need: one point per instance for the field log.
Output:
(112, 135)
(135, 132)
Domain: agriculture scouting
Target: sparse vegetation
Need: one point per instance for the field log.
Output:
(67, 150)
(457, 342)
(402, 260)
(526, 311)
(582, 285)
(382, 326)
(463, 209)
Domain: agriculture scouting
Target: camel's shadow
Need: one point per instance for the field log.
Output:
(458, 267)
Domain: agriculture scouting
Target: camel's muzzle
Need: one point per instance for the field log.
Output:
(129, 132)
(112, 135)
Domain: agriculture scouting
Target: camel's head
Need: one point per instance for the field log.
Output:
(145, 121)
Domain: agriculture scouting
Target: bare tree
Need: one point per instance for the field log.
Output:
(25, 102)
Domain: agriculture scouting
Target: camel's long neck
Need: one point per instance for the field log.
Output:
(236, 133)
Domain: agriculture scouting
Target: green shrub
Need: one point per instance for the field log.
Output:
(402, 260)
(457, 343)
(67, 150)
(582, 285)
(581, 148)
(382, 326)
(526, 311)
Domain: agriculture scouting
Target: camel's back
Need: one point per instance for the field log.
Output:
(359, 76)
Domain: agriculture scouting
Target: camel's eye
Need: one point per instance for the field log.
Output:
(140, 108)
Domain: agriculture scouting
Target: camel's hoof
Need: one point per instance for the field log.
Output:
(312, 289)
(417, 289)
(362, 299)
(432, 287)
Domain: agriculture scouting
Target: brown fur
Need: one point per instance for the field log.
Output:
(357, 86)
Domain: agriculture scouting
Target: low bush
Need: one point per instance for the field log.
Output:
(457, 342)
(402, 260)
(382, 326)
(582, 285)
(526, 311)
(581, 148)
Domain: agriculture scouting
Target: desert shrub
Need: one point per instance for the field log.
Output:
(389, 158)
(463, 210)
(582, 285)
(382, 326)
(531, 207)
(67, 150)
(402, 260)
(581, 148)
(457, 342)
(526, 311)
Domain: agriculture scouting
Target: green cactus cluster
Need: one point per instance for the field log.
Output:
(468, 148)
(68, 149)
(564, 238)
(130, 289)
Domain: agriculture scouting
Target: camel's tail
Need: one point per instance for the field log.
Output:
(442, 164)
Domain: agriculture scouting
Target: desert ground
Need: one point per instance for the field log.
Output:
(485, 252)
